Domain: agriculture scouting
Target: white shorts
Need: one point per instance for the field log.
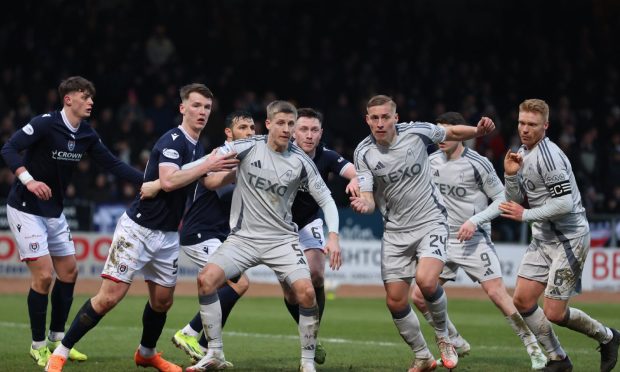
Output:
(477, 257)
(200, 253)
(285, 258)
(137, 248)
(558, 264)
(400, 251)
(38, 236)
(311, 236)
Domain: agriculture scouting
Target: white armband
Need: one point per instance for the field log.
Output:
(25, 177)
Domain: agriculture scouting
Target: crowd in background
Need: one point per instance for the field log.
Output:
(430, 56)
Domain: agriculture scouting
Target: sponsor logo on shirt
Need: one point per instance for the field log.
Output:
(408, 171)
(66, 155)
(170, 153)
(265, 184)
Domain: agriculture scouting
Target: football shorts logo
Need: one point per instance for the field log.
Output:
(34, 247)
(28, 129)
(71, 145)
(170, 153)
(122, 268)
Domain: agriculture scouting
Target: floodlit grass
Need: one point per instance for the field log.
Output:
(260, 336)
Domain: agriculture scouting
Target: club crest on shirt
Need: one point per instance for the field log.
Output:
(34, 246)
(71, 145)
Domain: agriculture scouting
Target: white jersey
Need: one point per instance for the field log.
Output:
(466, 184)
(266, 185)
(399, 176)
(546, 173)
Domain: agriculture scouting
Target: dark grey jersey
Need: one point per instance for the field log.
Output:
(267, 182)
(466, 185)
(545, 174)
(399, 176)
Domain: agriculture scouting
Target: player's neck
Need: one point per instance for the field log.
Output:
(194, 133)
(275, 147)
(71, 117)
(458, 151)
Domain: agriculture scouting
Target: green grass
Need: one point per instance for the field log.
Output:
(260, 336)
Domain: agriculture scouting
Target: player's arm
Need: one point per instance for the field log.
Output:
(172, 178)
(561, 201)
(466, 132)
(104, 157)
(513, 161)
(215, 180)
(494, 190)
(150, 189)
(22, 139)
(353, 187)
(365, 203)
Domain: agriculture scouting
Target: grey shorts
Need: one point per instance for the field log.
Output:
(400, 251)
(558, 264)
(477, 257)
(285, 258)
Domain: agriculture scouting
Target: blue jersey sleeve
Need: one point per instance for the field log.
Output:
(102, 155)
(335, 161)
(171, 150)
(32, 132)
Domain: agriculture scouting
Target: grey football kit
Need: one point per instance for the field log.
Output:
(399, 177)
(466, 184)
(262, 229)
(560, 241)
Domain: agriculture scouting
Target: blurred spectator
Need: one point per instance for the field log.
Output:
(159, 47)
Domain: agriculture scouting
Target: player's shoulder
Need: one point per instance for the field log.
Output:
(365, 145)
(481, 163)
(411, 126)
(436, 157)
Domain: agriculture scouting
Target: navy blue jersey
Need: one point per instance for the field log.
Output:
(305, 209)
(164, 212)
(52, 150)
(207, 217)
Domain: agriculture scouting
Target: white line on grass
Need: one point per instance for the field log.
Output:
(296, 337)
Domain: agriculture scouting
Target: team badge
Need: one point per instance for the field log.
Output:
(34, 247)
(122, 268)
(71, 145)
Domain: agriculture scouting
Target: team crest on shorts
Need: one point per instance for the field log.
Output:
(34, 246)
(122, 268)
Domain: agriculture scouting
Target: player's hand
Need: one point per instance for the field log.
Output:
(512, 162)
(466, 231)
(217, 162)
(353, 187)
(39, 189)
(485, 126)
(359, 204)
(332, 250)
(149, 190)
(512, 210)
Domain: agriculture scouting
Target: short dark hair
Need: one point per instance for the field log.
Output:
(235, 116)
(202, 89)
(311, 113)
(452, 118)
(76, 84)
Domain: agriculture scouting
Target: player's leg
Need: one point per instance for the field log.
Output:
(30, 234)
(568, 259)
(496, 290)
(398, 268)
(228, 261)
(153, 321)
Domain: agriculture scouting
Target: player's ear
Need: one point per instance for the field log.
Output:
(267, 123)
(396, 116)
(182, 108)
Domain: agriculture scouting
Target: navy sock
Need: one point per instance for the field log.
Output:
(293, 309)
(62, 298)
(85, 320)
(196, 323)
(37, 310)
(320, 300)
(228, 299)
(152, 326)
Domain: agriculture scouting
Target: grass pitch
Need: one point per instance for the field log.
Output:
(261, 336)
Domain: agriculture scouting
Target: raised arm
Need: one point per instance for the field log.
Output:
(466, 132)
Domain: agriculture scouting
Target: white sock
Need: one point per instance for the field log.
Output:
(519, 326)
(147, 352)
(439, 312)
(583, 323)
(308, 330)
(453, 333)
(56, 336)
(189, 331)
(211, 315)
(542, 329)
(62, 350)
(409, 329)
(38, 344)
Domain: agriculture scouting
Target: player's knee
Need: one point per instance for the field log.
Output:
(305, 295)
(396, 303)
(162, 305)
(418, 299)
(427, 286)
(205, 282)
(522, 304)
(42, 281)
(103, 303)
(554, 316)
